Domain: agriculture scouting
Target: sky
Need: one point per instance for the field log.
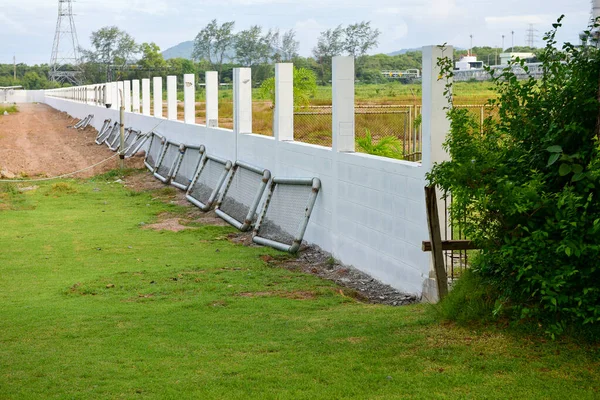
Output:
(28, 26)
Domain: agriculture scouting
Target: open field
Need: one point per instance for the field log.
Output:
(99, 306)
(113, 287)
(385, 93)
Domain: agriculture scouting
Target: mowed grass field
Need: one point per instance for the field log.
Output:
(94, 305)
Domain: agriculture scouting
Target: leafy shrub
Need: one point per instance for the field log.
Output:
(470, 300)
(526, 189)
(9, 109)
(387, 146)
(305, 87)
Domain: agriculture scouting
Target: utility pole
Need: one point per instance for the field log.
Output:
(122, 131)
(512, 46)
(14, 68)
(471, 48)
(502, 42)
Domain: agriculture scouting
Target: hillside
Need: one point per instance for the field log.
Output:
(182, 50)
(404, 51)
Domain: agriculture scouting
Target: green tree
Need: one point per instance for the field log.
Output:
(32, 81)
(214, 42)
(289, 46)
(111, 47)
(181, 66)
(329, 44)
(152, 59)
(359, 38)
(305, 87)
(252, 47)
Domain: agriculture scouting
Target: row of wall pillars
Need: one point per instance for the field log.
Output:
(435, 124)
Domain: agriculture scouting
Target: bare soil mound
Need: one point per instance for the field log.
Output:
(36, 142)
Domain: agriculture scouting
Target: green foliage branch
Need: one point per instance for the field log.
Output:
(526, 187)
(305, 87)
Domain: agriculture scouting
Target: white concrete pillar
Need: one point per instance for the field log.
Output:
(136, 95)
(435, 124)
(212, 98)
(189, 98)
(242, 100)
(121, 96)
(127, 99)
(146, 96)
(342, 86)
(172, 97)
(284, 102)
(158, 97)
(114, 95)
(103, 95)
(107, 94)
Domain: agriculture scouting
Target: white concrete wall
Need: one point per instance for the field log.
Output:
(370, 212)
(22, 96)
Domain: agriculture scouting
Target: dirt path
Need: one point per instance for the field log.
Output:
(36, 142)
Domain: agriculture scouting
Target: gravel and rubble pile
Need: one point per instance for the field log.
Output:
(315, 261)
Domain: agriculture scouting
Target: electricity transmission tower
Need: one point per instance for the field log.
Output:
(531, 36)
(65, 63)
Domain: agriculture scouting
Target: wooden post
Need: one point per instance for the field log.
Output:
(435, 237)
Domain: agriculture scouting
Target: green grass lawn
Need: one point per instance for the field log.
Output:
(95, 306)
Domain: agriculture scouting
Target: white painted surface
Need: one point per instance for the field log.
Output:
(284, 102)
(370, 212)
(212, 99)
(146, 96)
(172, 97)
(127, 91)
(435, 128)
(114, 88)
(242, 100)
(157, 88)
(342, 111)
(136, 95)
(121, 94)
(189, 98)
(434, 122)
(21, 96)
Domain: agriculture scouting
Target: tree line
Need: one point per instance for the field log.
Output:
(115, 55)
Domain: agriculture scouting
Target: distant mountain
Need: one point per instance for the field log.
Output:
(182, 50)
(404, 51)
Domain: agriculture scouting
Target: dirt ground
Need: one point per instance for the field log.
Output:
(36, 142)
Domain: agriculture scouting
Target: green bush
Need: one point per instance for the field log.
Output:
(386, 146)
(469, 300)
(526, 189)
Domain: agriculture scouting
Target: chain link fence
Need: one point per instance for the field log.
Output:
(313, 125)
(403, 122)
